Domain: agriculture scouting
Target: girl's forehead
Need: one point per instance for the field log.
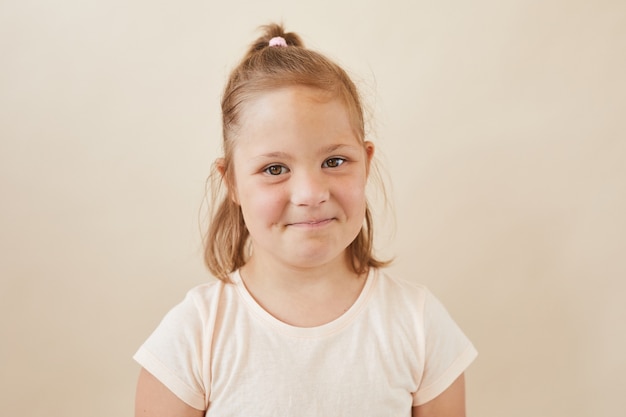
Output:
(295, 109)
(289, 95)
(296, 133)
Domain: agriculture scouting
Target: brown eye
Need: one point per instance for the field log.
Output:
(275, 170)
(333, 162)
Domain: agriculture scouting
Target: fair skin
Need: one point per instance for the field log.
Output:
(450, 403)
(299, 177)
(153, 399)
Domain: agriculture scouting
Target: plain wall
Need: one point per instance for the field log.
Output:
(501, 125)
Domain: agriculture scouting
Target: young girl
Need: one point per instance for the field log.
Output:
(302, 321)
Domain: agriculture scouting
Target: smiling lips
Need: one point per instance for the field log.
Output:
(312, 223)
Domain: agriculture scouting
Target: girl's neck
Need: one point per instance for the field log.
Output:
(286, 277)
(303, 297)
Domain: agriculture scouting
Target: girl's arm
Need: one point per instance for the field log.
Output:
(154, 399)
(450, 403)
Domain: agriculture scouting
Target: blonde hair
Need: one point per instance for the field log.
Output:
(266, 68)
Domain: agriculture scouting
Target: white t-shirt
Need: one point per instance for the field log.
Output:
(395, 348)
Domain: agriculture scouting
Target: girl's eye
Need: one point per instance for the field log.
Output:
(333, 162)
(275, 170)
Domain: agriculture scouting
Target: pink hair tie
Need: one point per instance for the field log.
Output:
(278, 41)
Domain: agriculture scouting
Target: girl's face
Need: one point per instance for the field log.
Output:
(300, 176)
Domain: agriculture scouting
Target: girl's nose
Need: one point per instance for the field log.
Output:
(309, 189)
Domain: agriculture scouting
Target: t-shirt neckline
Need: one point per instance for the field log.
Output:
(323, 330)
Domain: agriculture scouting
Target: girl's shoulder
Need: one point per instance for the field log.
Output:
(195, 313)
(401, 294)
(399, 286)
(208, 295)
(207, 289)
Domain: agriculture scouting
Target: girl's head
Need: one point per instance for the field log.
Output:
(277, 75)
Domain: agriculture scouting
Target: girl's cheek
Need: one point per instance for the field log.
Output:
(267, 199)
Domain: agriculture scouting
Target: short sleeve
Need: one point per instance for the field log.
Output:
(448, 352)
(173, 353)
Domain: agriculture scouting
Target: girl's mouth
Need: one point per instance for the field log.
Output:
(312, 223)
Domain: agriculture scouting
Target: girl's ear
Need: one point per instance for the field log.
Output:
(227, 180)
(369, 153)
(220, 166)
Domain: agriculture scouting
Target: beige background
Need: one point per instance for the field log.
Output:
(500, 123)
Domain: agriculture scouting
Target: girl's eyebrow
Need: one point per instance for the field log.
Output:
(270, 157)
(334, 148)
(323, 151)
